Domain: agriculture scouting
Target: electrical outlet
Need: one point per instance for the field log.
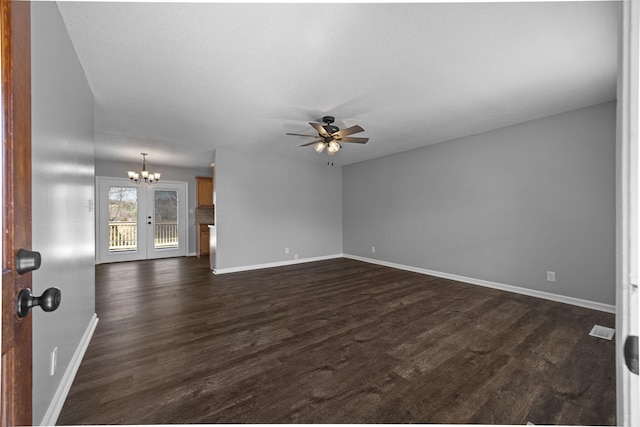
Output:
(295, 256)
(286, 250)
(373, 249)
(551, 276)
(54, 362)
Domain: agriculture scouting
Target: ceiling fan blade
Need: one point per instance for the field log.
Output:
(348, 131)
(299, 134)
(311, 143)
(318, 127)
(354, 139)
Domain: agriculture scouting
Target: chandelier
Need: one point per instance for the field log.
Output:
(144, 174)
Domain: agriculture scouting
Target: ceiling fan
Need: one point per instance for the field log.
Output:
(330, 136)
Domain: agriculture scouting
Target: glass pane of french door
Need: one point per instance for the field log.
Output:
(120, 220)
(166, 234)
(123, 219)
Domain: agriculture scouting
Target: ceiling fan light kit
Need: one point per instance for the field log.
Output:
(330, 136)
(333, 148)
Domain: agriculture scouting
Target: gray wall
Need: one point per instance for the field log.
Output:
(503, 206)
(266, 203)
(168, 173)
(63, 224)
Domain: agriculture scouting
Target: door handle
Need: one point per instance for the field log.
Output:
(27, 261)
(631, 353)
(48, 301)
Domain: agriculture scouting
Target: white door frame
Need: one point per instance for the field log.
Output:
(183, 220)
(146, 248)
(628, 412)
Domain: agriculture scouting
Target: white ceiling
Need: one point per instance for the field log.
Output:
(178, 80)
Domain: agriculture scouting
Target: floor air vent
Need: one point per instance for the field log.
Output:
(602, 332)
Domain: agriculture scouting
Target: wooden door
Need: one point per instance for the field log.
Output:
(16, 207)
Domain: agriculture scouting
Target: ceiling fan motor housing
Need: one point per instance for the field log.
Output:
(329, 127)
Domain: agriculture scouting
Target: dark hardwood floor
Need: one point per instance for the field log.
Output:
(336, 341)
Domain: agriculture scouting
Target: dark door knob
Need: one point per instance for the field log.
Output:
(27, 261)
(48, 301)
(631, 353)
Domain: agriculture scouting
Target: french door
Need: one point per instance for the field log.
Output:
(143, 221)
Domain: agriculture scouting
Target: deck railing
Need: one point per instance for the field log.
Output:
(123, 236)
(166, 234)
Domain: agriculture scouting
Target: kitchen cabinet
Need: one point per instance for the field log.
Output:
(203, 213)
(204, 191)
(202, 240)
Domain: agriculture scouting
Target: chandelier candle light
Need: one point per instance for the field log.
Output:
(144, 174)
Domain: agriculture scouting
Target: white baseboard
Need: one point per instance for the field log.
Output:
(515, 289)
(191, 254)
(275, 264)
(53, 411)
